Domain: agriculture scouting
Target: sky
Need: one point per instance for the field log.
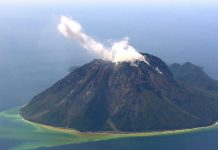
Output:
(109, 2)
(34, 55)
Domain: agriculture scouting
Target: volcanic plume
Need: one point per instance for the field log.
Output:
(103, 96)
(112, 94)
(120, 51)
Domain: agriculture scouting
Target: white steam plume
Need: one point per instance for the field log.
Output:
(118, 52)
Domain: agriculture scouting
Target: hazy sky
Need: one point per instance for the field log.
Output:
(34, 55)
(110, 2)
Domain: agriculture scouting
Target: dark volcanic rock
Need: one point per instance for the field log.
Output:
(194, 76)
(103, 96)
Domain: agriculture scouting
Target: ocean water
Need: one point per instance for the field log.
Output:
(18, 134)
(206, 140)
(33, 56)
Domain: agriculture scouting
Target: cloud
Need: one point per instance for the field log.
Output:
(118, 51)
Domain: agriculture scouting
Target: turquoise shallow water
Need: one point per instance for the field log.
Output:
(197, 141)
(18, 134)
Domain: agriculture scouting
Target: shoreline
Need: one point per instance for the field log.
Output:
(125, 134)
(50, 136)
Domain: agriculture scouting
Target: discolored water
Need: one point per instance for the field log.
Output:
(18, 134)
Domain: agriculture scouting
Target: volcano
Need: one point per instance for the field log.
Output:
(123, 97)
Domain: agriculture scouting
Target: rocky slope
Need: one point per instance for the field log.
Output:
(103, 96)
